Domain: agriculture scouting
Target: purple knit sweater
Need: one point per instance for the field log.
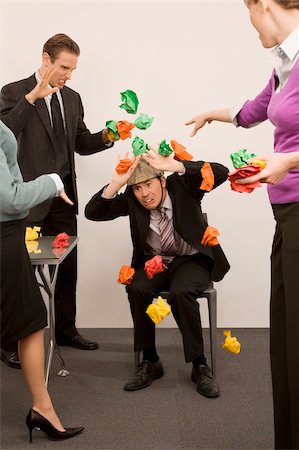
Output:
(282, 109)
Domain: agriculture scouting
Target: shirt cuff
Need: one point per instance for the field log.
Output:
(109, 144)
(233, 112)
(58, 181)
(107, 198)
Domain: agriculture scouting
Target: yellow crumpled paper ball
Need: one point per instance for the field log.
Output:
(158, 310)
(32, 247)
(231, 344)
(32, 233)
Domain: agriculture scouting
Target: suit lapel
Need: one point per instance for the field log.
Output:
(67, 106)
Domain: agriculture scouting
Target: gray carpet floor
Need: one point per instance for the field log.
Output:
(170, 414)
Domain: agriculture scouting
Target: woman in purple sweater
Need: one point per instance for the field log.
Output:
(277, 22)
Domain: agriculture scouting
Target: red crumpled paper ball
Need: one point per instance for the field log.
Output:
(61, 240)
(154, 266)
(244, 172)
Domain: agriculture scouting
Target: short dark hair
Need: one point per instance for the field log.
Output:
(58, 43)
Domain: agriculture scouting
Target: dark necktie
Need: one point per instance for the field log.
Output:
(62, 164)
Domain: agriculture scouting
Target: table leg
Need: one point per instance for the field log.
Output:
(49, 287)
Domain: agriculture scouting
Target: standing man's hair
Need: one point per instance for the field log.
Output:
(58, 43)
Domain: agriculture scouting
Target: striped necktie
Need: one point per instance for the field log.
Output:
(168, 246)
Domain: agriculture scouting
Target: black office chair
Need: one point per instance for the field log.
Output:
(211, 295)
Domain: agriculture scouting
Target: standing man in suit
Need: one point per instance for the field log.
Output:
(49, 128)
(166, 219)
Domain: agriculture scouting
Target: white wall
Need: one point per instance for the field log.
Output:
(181, 58)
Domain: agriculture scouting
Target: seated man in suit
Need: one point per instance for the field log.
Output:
(175, 233)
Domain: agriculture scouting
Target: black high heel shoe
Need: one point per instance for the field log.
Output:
(36, 420)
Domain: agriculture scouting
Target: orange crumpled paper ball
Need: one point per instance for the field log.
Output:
(123, 128)
(180, 153)
(244, 172)
(126, 274)
(207, 177)
(209, 237)
(61, 240)
(154, 266)
(123, 165)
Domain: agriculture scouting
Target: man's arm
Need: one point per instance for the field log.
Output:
(190, 171)
(107, 204)
(16, 107)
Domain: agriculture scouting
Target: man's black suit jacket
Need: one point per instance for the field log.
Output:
(188, 219)
(32, 127)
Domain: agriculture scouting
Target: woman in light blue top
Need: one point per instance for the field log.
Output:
(23, 313)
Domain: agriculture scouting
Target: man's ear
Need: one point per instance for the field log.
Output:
(46, 59)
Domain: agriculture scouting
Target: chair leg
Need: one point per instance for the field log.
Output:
(212, 303)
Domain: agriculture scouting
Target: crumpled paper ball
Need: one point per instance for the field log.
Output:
(208, 178)
(158, 310)
(32, 233)
(126, 274)
(61, 240)
(124, 129)
(130, 101)
(244, 172)
(209, 237)
(231, 344)
(154, 266)
(123, 165)
(180, 153)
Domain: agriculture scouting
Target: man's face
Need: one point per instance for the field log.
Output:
(64, 65)
(150, 193)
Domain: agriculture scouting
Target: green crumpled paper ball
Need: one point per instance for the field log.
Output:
(130, 101)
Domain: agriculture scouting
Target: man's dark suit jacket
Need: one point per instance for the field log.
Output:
(32, 127)
(188, 219)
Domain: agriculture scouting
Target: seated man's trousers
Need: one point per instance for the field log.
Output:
(185, 278)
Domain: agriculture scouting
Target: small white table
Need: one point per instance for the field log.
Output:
(50, 258)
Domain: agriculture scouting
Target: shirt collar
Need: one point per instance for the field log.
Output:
(289, 47)
(167, 202)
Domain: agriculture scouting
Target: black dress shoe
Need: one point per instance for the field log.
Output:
(77, 341)
(146, 373)
(206, 383)
(11, 359)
